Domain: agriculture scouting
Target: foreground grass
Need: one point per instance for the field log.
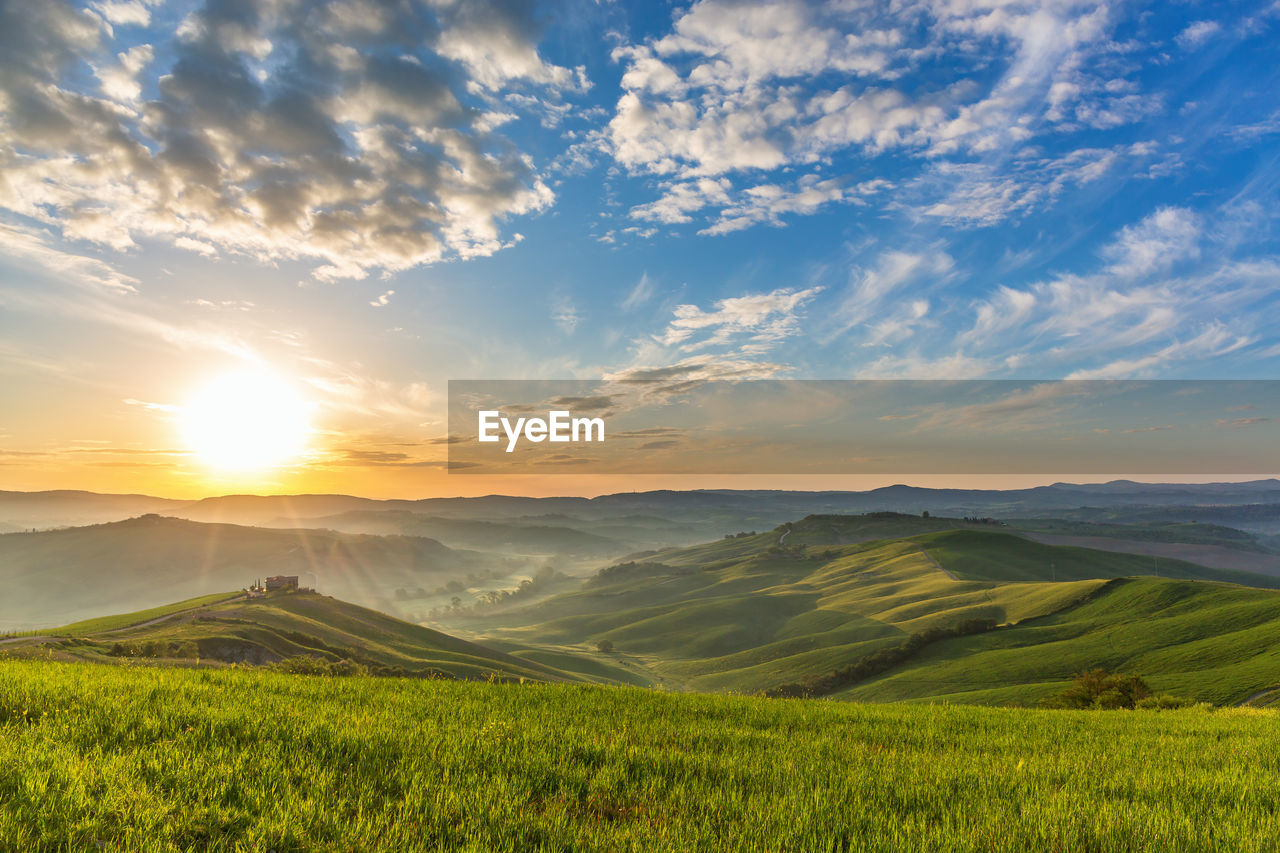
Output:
(137, 758)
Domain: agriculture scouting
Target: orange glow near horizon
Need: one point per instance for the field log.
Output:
(183, 482)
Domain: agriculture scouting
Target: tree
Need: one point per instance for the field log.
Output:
(924, 514)
(1096, 688)
(604, 647)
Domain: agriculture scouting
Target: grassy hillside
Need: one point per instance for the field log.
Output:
(110, 758)
(751, 612)
(750, 618)
(58, 576)
(1212, 642)
(994, 556)
(232, 629)
(1170, 532)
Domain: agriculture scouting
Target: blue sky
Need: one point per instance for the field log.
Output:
(372, 198)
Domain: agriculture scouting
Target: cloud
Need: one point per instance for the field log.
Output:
(383, 299)
(1196, 34)
(640, 294)
(1162, 239)
(1168, 288)
(1005, 309)
(1244, 422)
(1215, 340)
(565, 315)
(351, 134)
(594, 403)
(892, 271)
(125, 13)
(751, 322)
(737, 89)
(33, 249)
(768, 203)
(384, 458)
(982, 194)
(1037, 405)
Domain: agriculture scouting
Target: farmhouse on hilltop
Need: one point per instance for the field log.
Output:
(274, 583)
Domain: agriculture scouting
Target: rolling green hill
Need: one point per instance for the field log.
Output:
(993, 556)
(1212, 642)
(58, 576)
(751, 620)
(752, 612)
(230, 628)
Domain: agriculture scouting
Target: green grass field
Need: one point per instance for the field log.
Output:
(134, 758)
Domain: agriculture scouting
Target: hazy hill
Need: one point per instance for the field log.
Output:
(540, 539)
(62, 575)
(60, 508)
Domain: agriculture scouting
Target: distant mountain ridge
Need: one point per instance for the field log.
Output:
(60, 508)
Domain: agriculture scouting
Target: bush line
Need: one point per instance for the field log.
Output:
(877, 662)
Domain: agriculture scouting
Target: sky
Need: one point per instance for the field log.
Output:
(363, 200)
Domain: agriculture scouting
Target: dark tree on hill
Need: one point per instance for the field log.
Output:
(604, 646)
(1095, 688)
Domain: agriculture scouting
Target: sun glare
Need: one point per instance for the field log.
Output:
(248, 421)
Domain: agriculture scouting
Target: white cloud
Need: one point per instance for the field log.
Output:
(752, 323)
(33, 249)
(279, 131)
(981, 194)
(1196, 34)
(1006, 309)
(383, 299)
(640, 294)
(1216, 340)
(770, 202)
(1164, 238)
(1166, 289)
(681, 199)
(200, 247)
(124, 12)
(565, 315)
(120, 81)
(739, 88)
(892, 271)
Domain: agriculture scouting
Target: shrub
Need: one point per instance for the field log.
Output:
(308, 665)
(1164, 702)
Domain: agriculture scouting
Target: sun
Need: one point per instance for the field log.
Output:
(247, 421)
